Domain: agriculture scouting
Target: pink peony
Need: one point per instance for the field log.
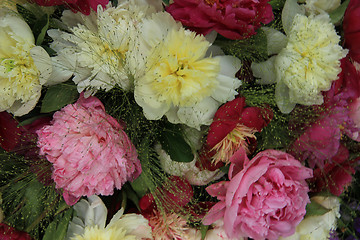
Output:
(234, 19)
(89, 150)
(82, 6)
(265, 197)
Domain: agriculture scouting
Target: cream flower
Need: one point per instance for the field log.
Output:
(89, 224)
(318, 227)
(310, 62)
(180, 80)
(99, 49)
(24, 67)
(188, 170)
(321, 6)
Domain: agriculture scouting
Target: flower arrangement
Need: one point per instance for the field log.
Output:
(179, 120)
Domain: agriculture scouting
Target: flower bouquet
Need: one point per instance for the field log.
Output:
(184, 119)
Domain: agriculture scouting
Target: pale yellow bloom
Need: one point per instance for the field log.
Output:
(311, 60)
(181, 80)
(24, 67)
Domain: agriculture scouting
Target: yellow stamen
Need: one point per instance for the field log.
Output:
(237, 138)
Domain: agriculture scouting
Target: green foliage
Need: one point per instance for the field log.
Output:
(57, 229)
(29, 205)
(253, 48)
(315, 209)
(277, 4)
(57, 96)
(174, 144)
(338, 13)
(40, 28)
(203, 230)
(26, 14)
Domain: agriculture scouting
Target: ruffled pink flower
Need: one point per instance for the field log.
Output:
(320, 140)
(234, 19)
(265, 197)
(82, 6)
(89, 150)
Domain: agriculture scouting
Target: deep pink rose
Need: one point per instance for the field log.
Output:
(9, 233)
(89, 150)
(354, 114)
(335, 176)
(82, 6)
(265, 198)
(233, 19)
(351, 26)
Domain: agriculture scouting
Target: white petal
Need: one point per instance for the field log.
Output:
(144, 96)
(74, 228)
(265, 71)
(291, 8)
(282, 98)
(226, 90)
(200, 114)
(229, 65)
(276, 40)
(20, 109)
(60, 73)
(42, 61)
(21, 31)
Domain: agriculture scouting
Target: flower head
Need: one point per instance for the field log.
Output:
(89, 150)
(311, 60)
(233, 19)
(100, 48)
(233, 127)
(24, 67)
(181, 81)
(264, 198)
(90, 223)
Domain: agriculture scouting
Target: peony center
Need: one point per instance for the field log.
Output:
(179, 73)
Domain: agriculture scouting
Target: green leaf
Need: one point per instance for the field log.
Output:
(140, 185)
(58, 96)
(130, 193)
(40, 28)
(277, 4)
(174, 144)
(338, 13)
(58, 228)
(203, 230)
(315, 209)
(27, 15)
(225, 169)
(166, 2)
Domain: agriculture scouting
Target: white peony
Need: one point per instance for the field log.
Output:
(101, 48)
(310, 62)
(180, 80)
(24, 67)
(91, 220)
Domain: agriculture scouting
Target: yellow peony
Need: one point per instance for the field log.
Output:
(311, 60)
